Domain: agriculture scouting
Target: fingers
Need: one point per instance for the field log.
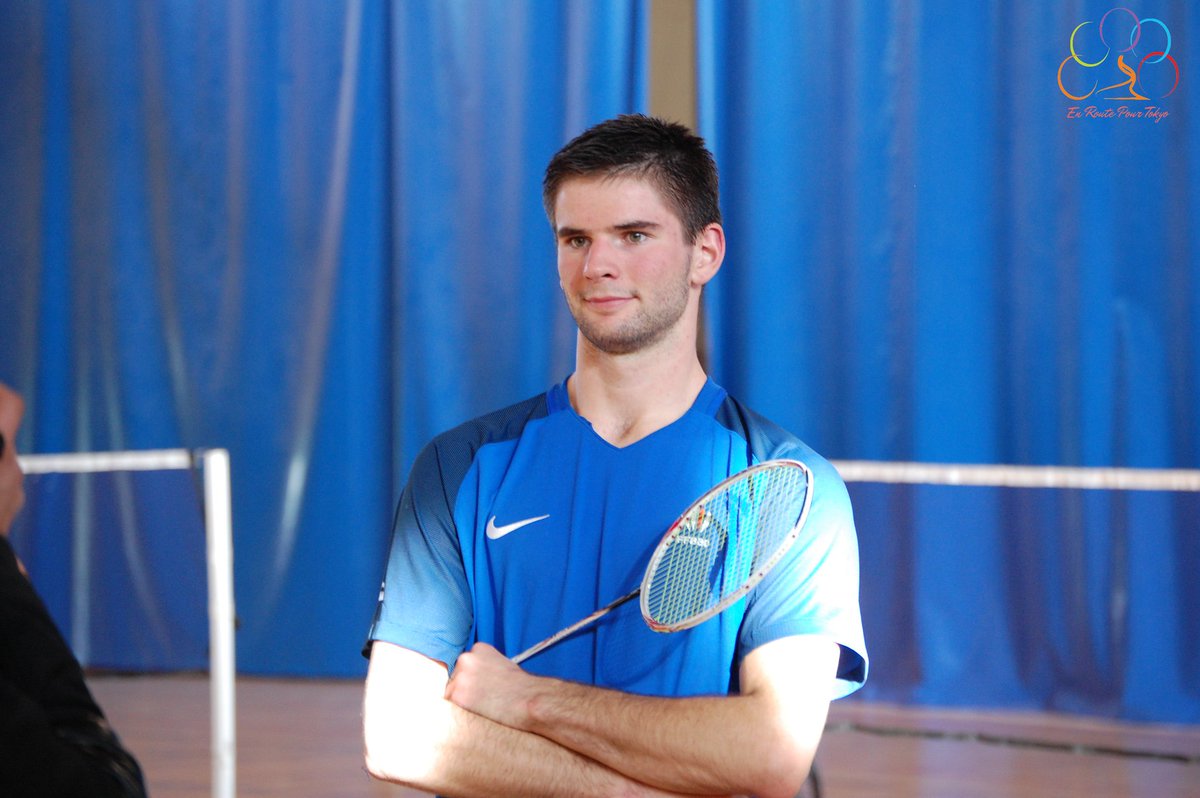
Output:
(470, 671)
(12, 489)
(12, 407)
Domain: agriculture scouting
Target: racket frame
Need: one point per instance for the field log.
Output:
(751, 581)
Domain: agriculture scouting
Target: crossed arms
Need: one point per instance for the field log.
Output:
(494, 729)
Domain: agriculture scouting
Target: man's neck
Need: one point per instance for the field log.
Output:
(627, 397)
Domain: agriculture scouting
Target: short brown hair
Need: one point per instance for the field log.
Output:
(672, 157)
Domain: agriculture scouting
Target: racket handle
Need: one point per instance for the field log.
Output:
(575, 627)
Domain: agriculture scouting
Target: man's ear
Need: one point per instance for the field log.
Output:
(708, 252)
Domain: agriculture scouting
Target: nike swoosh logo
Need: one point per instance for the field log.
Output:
(496, 532)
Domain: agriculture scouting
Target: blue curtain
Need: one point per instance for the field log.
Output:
(931, 259)
(311, 233)
(308, 232)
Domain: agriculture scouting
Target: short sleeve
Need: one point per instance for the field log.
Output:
(814, 589)
(425, 601)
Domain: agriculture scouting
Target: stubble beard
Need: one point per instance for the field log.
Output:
(647, 327)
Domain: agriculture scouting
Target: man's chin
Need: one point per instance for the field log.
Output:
(618, 342)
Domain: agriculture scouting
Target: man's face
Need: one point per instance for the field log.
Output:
(623, 263)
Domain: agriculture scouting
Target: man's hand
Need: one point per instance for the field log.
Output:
(490, 684)
(12, 490)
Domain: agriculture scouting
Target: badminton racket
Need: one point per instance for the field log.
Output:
(718, 549)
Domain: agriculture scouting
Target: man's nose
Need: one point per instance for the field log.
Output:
(602, 259)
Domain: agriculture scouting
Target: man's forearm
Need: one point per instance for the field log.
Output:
(761, 742)
(700, 746)
(473, 756)
(416, 738)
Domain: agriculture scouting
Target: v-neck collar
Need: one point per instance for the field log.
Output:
(706, 403)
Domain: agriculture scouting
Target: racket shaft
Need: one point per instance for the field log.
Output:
(575, 627)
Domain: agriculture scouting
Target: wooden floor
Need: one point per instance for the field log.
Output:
(301, 739)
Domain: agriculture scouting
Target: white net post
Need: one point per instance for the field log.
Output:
(218, 530)
(222, 660)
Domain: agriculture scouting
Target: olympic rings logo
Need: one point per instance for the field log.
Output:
(1111, 37)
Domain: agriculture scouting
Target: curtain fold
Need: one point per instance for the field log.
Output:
(930, 260)
(310, 233)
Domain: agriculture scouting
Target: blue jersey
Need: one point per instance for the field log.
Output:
(521, 522)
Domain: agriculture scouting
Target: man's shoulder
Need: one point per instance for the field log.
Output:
(770, 441)
(453, 451)
(504, 423)
(767, 440)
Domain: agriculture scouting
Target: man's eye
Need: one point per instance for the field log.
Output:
(635, 236)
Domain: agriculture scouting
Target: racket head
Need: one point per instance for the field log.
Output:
(725, 543)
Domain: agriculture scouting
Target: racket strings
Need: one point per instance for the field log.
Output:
(722, 543)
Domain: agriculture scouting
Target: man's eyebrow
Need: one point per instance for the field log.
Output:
(637, 225)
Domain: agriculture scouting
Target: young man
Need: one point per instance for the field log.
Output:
(520, 522)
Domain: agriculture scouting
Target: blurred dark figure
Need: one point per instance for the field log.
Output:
(54, 739)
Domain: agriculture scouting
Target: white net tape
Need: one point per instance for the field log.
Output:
(93, 462)
(1010, 476)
